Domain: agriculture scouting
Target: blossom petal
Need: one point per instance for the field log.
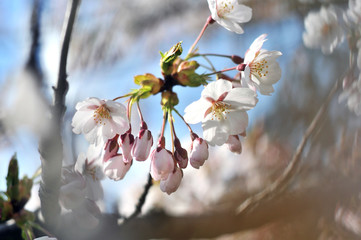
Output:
(241, 99)
(215, 89)
(194, 113)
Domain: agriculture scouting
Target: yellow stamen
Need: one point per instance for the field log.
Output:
(100, 114)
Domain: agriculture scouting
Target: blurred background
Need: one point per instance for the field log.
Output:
(113, 41)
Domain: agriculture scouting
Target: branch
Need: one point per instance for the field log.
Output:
(282, 182)
(51, 146)
(320, 200)
(141, 201)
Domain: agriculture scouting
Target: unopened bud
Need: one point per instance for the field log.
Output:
(142, 144)
(127, 142)
(180, 154)
(199, 152)
(162, 163)
(237, 59)
(116, 168)
(234, 144)
(169, 99)
(173, 181)
(111, 148)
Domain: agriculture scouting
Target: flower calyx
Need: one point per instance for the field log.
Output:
(168, 58)
(149, 83)
(169, 99)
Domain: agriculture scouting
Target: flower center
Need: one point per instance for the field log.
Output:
(326, 28)
(219, 110)
(100, 114)
(223, 8)
(91, 172)
(259, 68)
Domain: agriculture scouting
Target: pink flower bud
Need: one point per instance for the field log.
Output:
(173, 181)
(199, 152)
(234, 144)
(142, 145)
(111, 148)
(127, 141)
(116, 168)
(180, 154)
(162, 163)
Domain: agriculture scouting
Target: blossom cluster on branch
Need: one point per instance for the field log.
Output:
(221, 109)
(328, 28)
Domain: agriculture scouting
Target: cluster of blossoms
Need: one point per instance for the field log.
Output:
(326, 29)
(222, 110)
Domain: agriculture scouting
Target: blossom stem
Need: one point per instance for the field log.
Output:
(163, 126)
(211, 54)
(209, 21)
(126, 95)
(171, 126)
(222, 71)
(140, 112)
(189, 127)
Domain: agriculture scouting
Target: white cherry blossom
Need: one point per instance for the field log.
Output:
(352, 94)
(100, 120)
(91, 167)
(222, 111)
(323, 30)
(262, 69)
(229, 14)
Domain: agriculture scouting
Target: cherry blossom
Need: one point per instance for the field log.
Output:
(199, 152)
(261, 68)
(222, 111)
(229, 14)
(115, 168)
(352, 94)
(100, 120)
(142, 144)
(171, 184)
(323, 30)
(90, 166)
(234, 144)
(162, 163)
(353, 13)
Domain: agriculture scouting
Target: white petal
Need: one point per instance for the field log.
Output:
(194, 113)
(215, 89)
(241, 99)
(236, 122)
(214, 132)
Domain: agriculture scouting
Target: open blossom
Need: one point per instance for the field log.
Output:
(222, 111)
(100, 119)
(323, 30)
(91, 167)
(72, 190)
(229, 14)
(352, 94)
(171, 184)
(353, 13)
(262, 69)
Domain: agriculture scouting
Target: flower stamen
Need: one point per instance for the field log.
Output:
(100, 114)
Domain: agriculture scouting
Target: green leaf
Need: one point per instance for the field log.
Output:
(12, 179)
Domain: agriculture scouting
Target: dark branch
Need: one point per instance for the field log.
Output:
(141, 201)
(51, 146)
(289, 173)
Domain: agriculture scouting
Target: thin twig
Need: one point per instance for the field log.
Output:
(51, 146)
(141, 201)
(282, 182)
